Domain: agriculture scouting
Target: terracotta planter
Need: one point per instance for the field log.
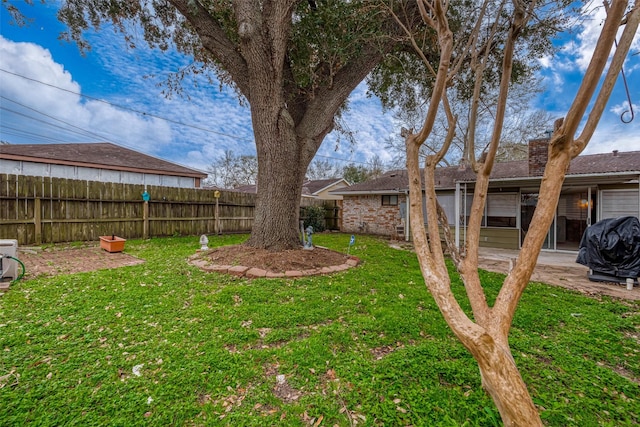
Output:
(112, 243)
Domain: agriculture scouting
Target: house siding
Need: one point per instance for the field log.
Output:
(505, 238)
(610, 179)
(326, 193)
(365, 214)
(20, 167)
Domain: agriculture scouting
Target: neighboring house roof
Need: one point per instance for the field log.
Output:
(251, 188)
(318, 185)
(309, 188)
(397, 181)
(102, 155)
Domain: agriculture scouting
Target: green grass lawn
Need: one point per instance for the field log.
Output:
(163, 343)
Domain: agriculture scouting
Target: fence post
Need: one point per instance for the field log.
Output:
(37, 220)
(216, 221)
(145, 220)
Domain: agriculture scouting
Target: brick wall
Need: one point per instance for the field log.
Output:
(365, 214)
(538, 155)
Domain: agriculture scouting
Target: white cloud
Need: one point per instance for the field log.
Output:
(546, 61)
(72, 119)
(613, 134)
(588, 35)
(370, 126)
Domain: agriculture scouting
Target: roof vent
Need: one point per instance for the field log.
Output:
(615, 153)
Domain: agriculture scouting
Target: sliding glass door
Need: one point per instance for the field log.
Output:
(528, 203)
(576, 210)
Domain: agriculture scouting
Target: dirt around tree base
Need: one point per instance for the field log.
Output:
(243, 260)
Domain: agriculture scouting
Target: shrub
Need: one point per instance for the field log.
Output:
(314, 216)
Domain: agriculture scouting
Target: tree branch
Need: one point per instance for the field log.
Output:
(591, 77)
(560, 154)
(214, 39)
(631, 27)
(332, 99)
(445, 42)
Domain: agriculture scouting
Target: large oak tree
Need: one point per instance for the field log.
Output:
(294, 62)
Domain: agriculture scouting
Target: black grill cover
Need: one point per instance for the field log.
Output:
(612, 246)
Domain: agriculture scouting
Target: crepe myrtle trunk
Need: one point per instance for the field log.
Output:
(501, 379)
(282, 165)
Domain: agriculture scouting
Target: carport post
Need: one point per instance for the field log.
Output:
(456, 214)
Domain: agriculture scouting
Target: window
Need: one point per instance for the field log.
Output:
(501, 210)
(447, 201)
(389, 200)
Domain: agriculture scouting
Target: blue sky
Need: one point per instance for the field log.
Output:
(59, 100)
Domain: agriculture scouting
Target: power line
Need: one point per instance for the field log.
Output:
(24, 133)
(127, 108)
(341, 160)
(83, 132)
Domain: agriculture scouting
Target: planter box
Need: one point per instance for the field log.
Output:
(112, 243)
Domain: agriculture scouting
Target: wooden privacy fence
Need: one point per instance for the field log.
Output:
(36, 210)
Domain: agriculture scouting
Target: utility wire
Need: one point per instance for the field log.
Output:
(83, 132)
(88, 132)
(134, 111)
(127, 108)
(22, 132)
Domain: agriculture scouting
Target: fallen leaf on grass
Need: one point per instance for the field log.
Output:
(136, 370)
(5, 380)
(45, 360)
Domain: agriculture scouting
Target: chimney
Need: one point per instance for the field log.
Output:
(538, 155)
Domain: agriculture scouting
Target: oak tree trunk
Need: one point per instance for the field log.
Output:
(281, 172)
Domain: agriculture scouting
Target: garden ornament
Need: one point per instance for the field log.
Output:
(203, 242)
(309, 243)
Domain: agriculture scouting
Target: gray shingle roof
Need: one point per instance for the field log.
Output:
(308, 187)
(446, 177)
(101, 154)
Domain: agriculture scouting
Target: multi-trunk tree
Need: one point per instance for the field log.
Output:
(498, 25)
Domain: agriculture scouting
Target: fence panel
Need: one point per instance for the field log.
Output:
(37, 210)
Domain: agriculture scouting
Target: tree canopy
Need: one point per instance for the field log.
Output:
(296, 63)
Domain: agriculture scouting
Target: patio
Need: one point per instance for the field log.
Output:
(557, 268)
